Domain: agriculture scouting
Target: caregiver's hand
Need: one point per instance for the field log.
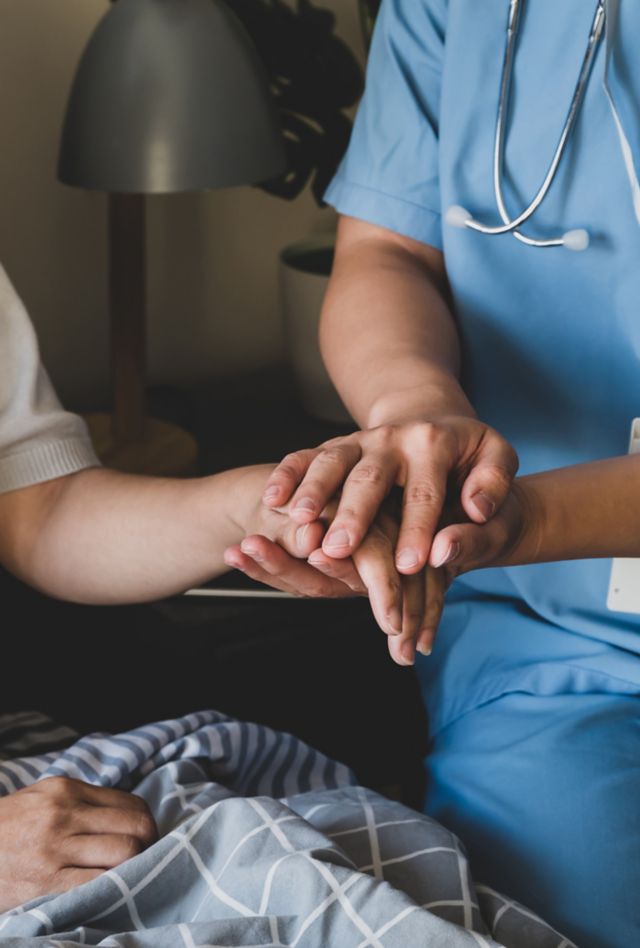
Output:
(61, 832)
(425, 457)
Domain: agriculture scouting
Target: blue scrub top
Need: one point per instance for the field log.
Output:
(550, 338)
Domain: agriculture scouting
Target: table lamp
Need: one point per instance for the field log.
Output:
(169, 96)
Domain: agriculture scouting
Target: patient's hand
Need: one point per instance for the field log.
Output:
(61, 832)
(465, 546)
(275, 548)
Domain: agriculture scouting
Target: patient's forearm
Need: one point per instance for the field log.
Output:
(101, 536)
(590, 510)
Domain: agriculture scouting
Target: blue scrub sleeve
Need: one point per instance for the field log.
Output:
(389, 175)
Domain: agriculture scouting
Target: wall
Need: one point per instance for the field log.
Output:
(213, 295)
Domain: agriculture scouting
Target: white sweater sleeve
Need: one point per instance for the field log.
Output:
(38, 439)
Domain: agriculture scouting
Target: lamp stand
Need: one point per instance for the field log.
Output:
(127, 440)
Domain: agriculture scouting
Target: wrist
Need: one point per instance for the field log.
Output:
(245, 509)
(442, 395)
(528, 545)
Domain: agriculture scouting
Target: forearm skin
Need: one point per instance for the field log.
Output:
(104, 537)
(388, 335)
(585, 511)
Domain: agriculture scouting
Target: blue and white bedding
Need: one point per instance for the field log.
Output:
(264, 842)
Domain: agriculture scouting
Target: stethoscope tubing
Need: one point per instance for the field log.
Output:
(511, 225)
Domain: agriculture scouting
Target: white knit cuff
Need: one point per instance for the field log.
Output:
(46, 461)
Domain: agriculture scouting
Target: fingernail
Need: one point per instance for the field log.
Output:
(300, 534)
(271, 493)
(450, 554)
(425, 642)
(484, 505)
(251, 551)
(232, 563)
(338, 539)
(305, 503)
(408, 652)
(406, 559)
(320, 565)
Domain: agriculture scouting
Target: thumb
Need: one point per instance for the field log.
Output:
(489, 481)
(299, 540)
(462, 547)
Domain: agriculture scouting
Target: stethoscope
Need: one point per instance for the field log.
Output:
(459, 217)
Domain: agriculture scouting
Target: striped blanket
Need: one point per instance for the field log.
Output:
(263, 842)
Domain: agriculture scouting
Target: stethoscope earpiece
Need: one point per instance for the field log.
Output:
(457, 216)
(576, 240)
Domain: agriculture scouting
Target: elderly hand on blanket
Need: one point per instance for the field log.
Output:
(59, 833)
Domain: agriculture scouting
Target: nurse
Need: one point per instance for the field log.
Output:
(438, 337)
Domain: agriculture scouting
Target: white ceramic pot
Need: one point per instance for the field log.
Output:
(304, 275)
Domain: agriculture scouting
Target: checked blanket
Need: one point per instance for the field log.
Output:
(264, 842)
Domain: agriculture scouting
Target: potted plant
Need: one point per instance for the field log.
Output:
(315, 78)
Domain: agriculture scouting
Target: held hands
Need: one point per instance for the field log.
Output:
(383, 552)
(60, 833)
(409, 608)
(425, 458)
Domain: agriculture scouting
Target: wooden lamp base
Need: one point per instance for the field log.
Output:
(163, 449)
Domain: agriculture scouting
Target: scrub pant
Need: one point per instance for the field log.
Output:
(544, 792)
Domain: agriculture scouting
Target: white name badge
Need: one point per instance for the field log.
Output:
(624, 584)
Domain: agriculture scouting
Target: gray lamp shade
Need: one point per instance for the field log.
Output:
(170, 95)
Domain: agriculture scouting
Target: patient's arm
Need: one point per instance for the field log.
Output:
(101, 536)
(61, 832)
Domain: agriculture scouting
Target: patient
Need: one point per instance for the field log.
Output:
(76, 531)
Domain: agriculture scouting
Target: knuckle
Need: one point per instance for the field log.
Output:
(286, 470)
(331, 456)
(427, 432)
(421, 494)
(57, 787)
(367, 474)
(384, 435)
(499, 476)
(346, 515)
